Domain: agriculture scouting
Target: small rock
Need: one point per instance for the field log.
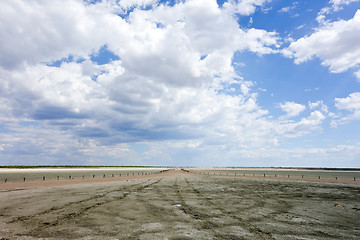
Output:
(356, 207)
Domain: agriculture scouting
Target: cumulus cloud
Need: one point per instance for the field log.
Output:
(337, 4)
(244, 7)
(284, 10)
(292, 109)
(127, 4)
(31, 143)
(357, 74)
(319, 105)
(39, 31)
(169, 80)
(350, 104)
(261, 41)
(335, 44)
(304, 126)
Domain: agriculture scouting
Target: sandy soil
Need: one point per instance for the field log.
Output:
(179, 205)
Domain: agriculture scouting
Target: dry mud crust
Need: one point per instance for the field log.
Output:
(179, 205)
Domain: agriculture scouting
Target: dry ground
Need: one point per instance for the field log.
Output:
(180, 205)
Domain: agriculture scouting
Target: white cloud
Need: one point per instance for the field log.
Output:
(175, 65)
(304, 126)
(350, 104)
(292, 109)
(337, 4)
(244, 7)
(116, 109)
(317, 157)
(39, 31)
(336, 44)
(300, 27)
(251, 21)
(127, 4)
(78, 29)
(288, 8)
(31, 143)
(284, 10)
(245, 87)
(261, 41)
(357, 74)
(320, 105)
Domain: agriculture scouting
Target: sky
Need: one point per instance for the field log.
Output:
(243, 83)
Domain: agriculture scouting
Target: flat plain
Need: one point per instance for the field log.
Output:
(178, 205)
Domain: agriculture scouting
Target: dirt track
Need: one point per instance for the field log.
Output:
(179, 205)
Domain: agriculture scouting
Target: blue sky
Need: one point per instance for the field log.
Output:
(180, 83)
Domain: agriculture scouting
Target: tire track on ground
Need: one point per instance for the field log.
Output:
(185, 207)
(158, 204)
(62, 214)
(244, 224)
(201, 219)
(151, 207)
(70, 204)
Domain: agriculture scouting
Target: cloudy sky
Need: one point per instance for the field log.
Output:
(180, 82)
